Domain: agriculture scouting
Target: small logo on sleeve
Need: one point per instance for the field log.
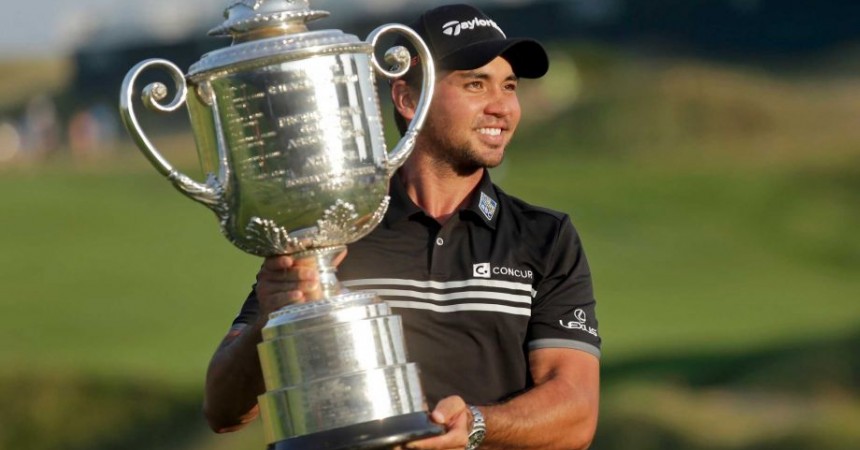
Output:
(579, 323)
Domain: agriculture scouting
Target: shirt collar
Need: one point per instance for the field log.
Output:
(400, 206)
(484, 203)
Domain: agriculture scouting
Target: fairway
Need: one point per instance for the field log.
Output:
(113, 271)
(701, 260)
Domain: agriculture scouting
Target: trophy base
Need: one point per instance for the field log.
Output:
(376, 434)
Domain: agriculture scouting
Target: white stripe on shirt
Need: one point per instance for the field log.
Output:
(481, 292)
(455, 295)
(460, 307)
(442, 284)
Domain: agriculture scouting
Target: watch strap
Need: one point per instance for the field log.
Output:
(479, 428)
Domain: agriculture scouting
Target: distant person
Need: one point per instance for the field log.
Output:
(41, 128)
(92, 130)
(515, 339)
(10, 141)
(83, 131)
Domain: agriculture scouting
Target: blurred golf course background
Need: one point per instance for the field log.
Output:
(718, 196)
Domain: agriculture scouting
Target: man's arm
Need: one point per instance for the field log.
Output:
(234, 378)
(559, 412)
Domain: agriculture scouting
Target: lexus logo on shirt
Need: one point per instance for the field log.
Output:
(579, 323)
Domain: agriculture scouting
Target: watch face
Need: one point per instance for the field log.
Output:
(476, 437)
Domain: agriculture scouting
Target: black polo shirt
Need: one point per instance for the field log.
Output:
(498, 279)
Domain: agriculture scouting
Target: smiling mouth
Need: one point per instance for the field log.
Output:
(490, 131)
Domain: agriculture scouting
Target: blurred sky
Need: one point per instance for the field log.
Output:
(44, 28)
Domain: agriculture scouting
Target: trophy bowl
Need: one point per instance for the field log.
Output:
(289, 134)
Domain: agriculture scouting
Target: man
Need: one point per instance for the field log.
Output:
(495, 294)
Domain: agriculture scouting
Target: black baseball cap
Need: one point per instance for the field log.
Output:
(462, 37)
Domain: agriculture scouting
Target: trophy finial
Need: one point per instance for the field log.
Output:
(247, 20)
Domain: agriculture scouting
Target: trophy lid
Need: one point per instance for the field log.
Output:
(268, 28)
(246, 19)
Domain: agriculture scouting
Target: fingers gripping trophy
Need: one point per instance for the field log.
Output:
(288, 129)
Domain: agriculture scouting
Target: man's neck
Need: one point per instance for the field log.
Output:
(439, 192)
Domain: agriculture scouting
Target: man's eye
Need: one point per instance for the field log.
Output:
(474, 85)
(511, 87)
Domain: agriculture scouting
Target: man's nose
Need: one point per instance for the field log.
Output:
(501, 104)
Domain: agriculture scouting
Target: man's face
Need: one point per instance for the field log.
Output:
(472, 117)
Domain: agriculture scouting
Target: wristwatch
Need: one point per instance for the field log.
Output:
(479, 429)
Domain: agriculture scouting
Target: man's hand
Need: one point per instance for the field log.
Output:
(283, 280)
(453, 414)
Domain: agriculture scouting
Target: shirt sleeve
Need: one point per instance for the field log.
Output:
(249, 310)
(563, 312)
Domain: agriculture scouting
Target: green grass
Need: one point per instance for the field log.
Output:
(798, 395)
(116, 272)
(717, 259)
(113, 273)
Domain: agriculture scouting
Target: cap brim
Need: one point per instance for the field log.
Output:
(526, 56)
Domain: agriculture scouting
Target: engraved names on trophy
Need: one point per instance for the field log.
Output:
(315, 118)
(336, 348)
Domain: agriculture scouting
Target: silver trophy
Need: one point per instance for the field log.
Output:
(289, 131)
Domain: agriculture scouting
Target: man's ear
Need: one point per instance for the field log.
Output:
(404, 99)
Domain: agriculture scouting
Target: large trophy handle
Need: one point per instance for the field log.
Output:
(399, 59)
(208, 194)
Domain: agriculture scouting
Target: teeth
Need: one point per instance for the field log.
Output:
(490, 131)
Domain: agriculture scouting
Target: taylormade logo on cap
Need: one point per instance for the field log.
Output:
(455, 27)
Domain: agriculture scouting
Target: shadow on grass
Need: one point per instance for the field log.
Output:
(74, 412)
(799, 367)
(800, 396)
